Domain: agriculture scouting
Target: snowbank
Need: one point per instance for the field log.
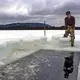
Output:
(13, 50)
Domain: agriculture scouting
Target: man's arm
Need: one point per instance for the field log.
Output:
(73, 24)
(65, 23)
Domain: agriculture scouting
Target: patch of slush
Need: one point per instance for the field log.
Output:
(21, 71)
(78, 77)
(2, 63)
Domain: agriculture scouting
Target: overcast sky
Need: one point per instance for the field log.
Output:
(36, 10)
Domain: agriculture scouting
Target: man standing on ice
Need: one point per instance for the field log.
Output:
(70, 27)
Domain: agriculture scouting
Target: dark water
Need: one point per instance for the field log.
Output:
(42, 65)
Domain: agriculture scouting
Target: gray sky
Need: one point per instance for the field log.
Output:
(36, 10)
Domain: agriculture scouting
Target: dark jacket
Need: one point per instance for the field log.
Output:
(70, 21)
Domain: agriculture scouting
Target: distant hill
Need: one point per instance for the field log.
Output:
(31, 26)
(24, 26)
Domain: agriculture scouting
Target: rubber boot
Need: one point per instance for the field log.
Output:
(65, 35)
(72, 42)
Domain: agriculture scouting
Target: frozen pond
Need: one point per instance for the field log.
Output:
(17, 44)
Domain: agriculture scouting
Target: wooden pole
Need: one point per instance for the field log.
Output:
(44, 28)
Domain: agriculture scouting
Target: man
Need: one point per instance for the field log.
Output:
(70, 27)
(68, 65)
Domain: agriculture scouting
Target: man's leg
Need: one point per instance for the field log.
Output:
(72, 37)
(66, 32)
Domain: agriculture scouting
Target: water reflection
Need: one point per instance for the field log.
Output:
(68, 65)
